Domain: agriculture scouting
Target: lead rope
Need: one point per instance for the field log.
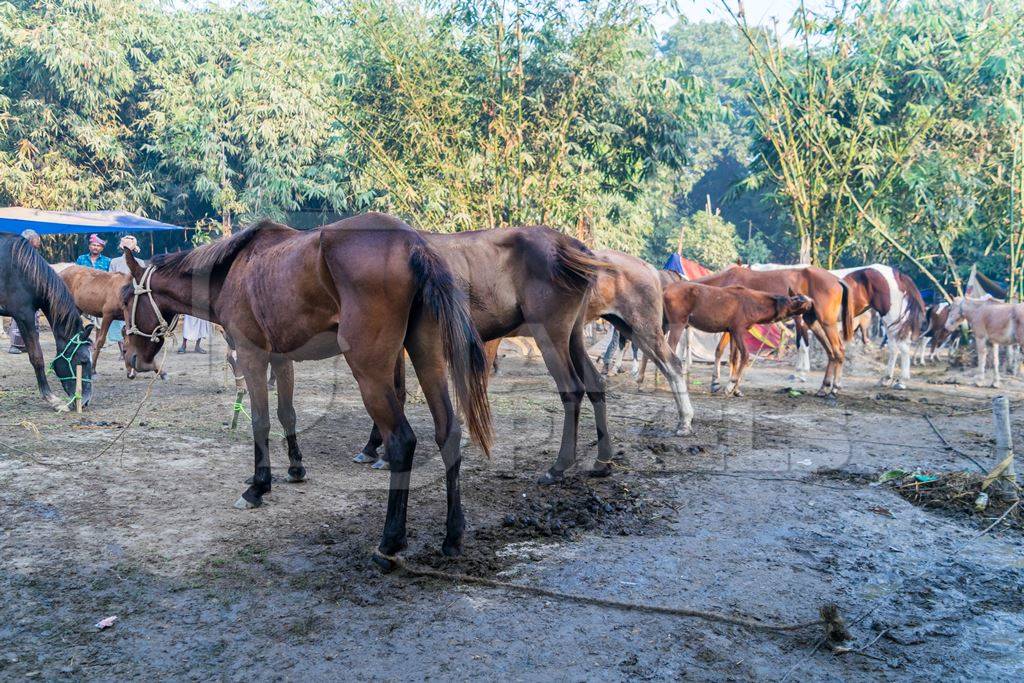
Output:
(69, 357)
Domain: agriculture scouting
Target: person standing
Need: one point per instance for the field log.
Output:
(95, 258)
(120, 265)
(195, 329)
(17, 341)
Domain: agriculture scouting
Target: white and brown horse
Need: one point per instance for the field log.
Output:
(992, 323)
(896, 299)
(934, 334)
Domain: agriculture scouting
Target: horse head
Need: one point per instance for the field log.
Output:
(73, 351)
(792, 305)
(145, 329)
(956, 314)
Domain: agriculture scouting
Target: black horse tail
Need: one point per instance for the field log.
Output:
(848, 328)
(463, 349)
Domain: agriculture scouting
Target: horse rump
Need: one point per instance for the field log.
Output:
(463, 349)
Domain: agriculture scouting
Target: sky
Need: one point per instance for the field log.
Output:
(758, 11)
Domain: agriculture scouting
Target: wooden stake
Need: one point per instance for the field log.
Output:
(235, 411)
(78, 388)
(1004, 481)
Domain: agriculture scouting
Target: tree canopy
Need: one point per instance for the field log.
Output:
(886, 130)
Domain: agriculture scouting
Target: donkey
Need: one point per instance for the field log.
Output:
(364, 287)
(1000, 324)
(28, 284)
(732, 310)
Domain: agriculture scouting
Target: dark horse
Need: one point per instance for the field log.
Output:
(28, 284)
(364, 287)
(531, 282)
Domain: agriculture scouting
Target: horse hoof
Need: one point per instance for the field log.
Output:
(715, 387)
(899, 385)
(384, 563)
(243, 504)
(453, 549)
(381, 464)
(296, 475)
(551, 477)
(737, 393)
(363, 458)
(601, 471)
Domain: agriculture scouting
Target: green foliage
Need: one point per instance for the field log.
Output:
(705, 238)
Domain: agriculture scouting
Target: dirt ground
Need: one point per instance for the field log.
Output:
(771, 510)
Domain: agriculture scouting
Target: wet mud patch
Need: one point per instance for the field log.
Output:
(539, 515)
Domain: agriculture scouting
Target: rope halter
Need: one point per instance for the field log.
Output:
(163, 328)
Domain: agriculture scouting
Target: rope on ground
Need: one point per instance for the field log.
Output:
(120, 435)
(949, 446)
(829, 617)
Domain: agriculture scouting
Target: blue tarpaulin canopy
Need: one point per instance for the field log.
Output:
(16, 219)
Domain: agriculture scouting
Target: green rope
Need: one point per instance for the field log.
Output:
(239, 408)
(69, 357)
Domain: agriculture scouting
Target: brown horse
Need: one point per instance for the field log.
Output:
(96, 293)
(364, 287)
(533, 282)
(830, 319)
(732, 310)
(934, 335)
(629, 296)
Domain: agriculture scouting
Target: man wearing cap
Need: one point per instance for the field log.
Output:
(17, 342)
(95, 258)
(119, 265)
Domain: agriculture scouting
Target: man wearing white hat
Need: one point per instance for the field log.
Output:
(119, 265)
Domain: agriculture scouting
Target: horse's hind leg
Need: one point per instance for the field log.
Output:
(716, 370)
(595, 388)
(428, 360)
(375, 379)
(285, 371)
(369, 451)
(553, 341)
(653, 343)
(101, 339)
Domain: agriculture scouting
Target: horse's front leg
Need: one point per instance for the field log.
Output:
(995, 366)
(285, 371)
(30, 335)
(982, 355)
(253, 364)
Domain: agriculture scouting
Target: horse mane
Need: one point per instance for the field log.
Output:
(63, 313)
(207, 258)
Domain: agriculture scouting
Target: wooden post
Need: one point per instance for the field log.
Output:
(78, 388)
(236, 408)
(1003, 477)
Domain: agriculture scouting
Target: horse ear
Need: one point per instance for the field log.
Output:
(791, 293)
(133, 266)
(88, 330)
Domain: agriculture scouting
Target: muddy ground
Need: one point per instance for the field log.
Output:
(768, 511)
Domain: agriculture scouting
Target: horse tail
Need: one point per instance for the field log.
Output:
(575, 265)
(848, 327)
(463, 349)
(916, 310)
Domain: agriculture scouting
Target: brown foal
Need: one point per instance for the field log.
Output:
(732, 310)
